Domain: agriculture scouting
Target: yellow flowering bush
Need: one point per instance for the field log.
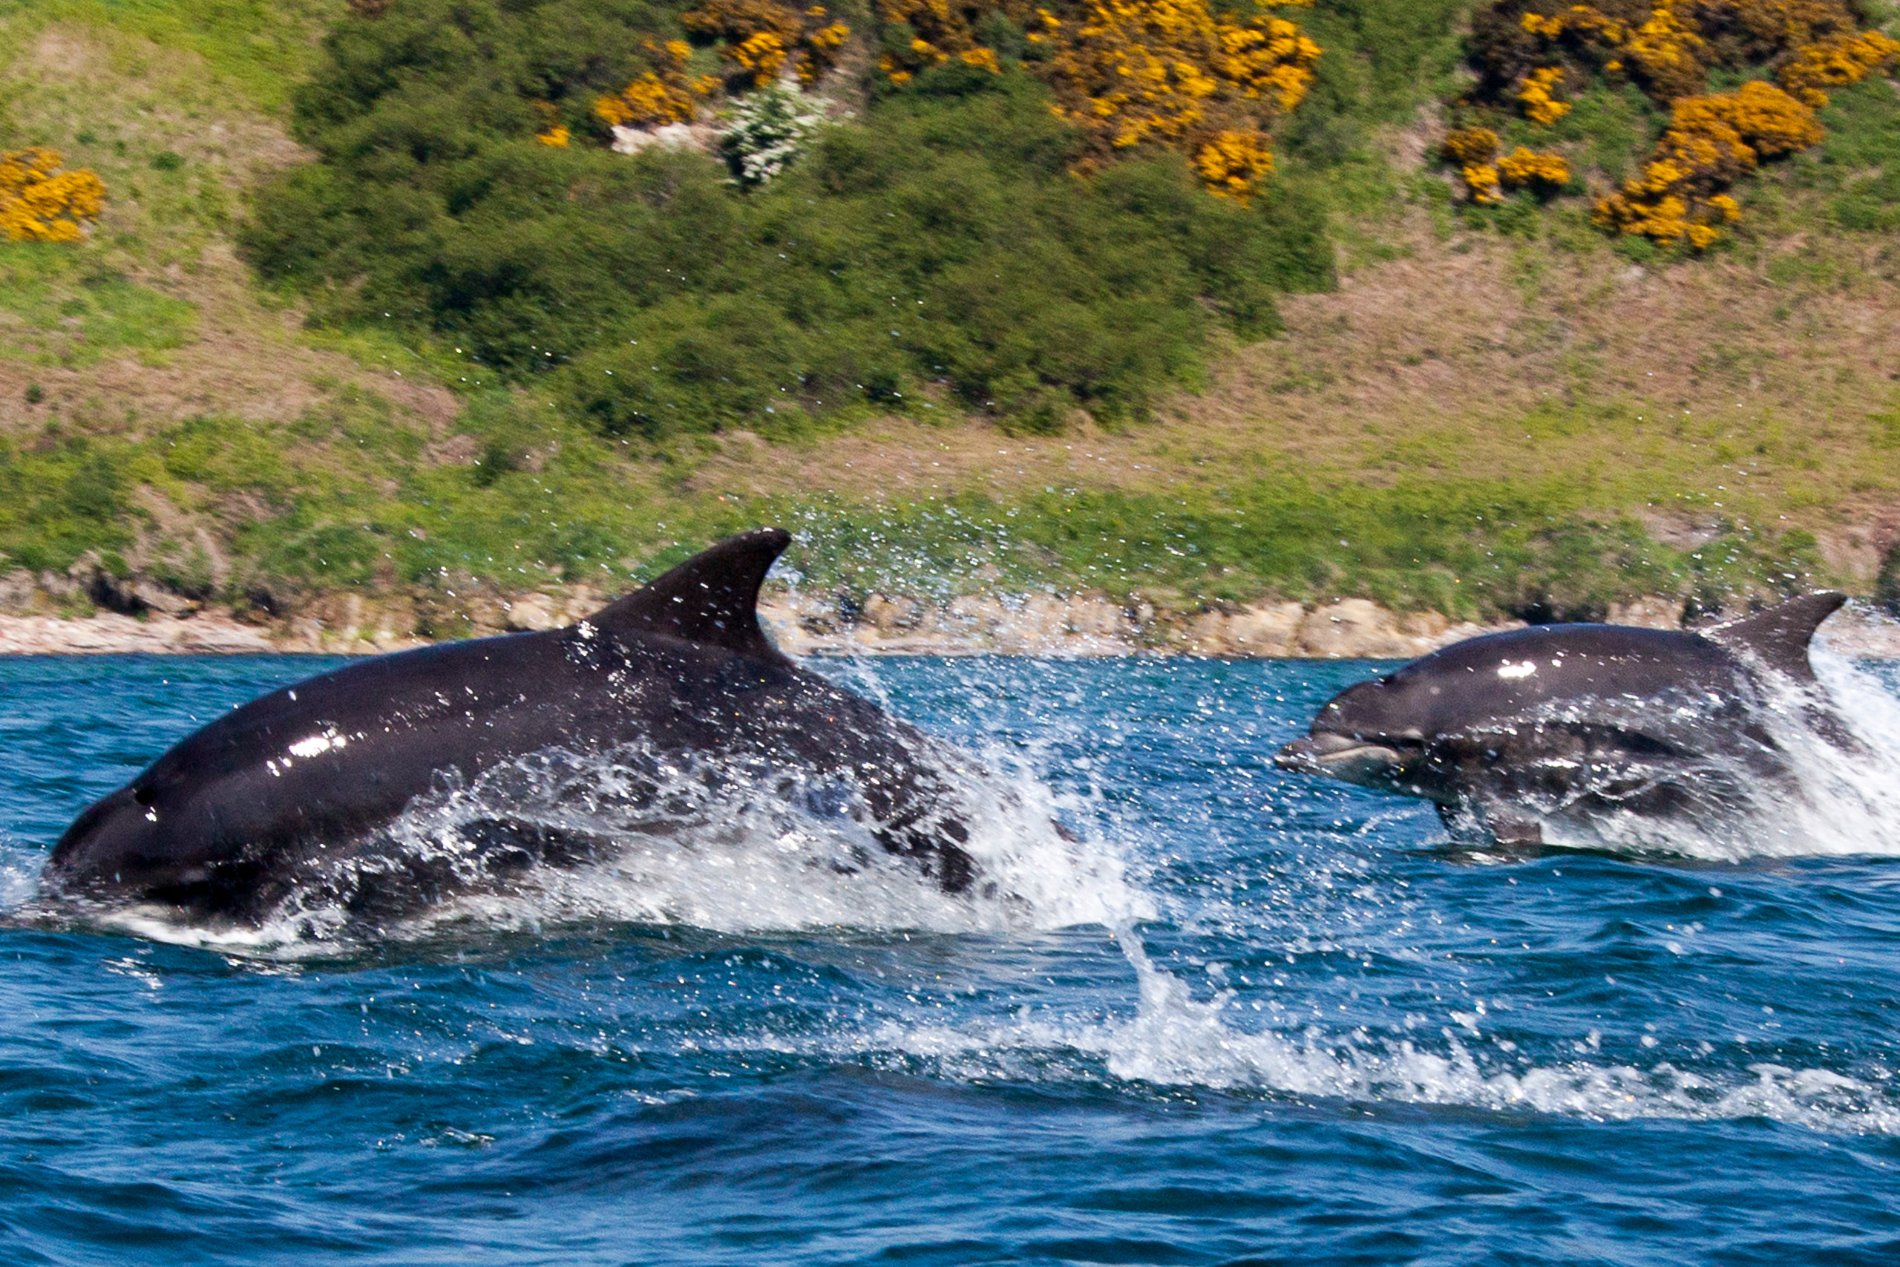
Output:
(759, 37)
(1765, 120)
(1233, 164)
(939, 31)
(1172, 73)
(821, 47)
(1528, 50)
(1711, 142)
(1835, 62)
(1537, 97)
(1474, 152)
(661, 96)
(1168, 74)
(1665, 53)
(1481, 179)
(1472, 145)
(41, 203)
(1537, 170)
(760, 56)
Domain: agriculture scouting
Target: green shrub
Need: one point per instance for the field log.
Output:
(940, 243)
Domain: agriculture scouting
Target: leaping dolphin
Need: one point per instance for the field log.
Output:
(1506, 732)
(295, 791)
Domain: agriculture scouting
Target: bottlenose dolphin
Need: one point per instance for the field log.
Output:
(291, 796)
(1507, 732)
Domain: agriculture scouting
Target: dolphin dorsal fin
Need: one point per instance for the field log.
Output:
(1779, 635)
(711, 598)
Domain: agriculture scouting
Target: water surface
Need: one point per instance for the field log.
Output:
(1249, 1018)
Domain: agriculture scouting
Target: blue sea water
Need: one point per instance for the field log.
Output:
(1247, 1018)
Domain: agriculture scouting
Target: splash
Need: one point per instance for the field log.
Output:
(1840, 745)
(635, 836)
(1175, 1041)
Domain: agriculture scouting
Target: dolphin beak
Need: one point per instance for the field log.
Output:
(1341, 757)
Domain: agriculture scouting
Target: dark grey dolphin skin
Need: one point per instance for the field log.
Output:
(271, 798)
(1507, 731)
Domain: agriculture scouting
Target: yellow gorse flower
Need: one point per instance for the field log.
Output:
(760, 37)
(1711, 142)
(1169, 74)
(41, 203)
(1471, 145)
(1835, 62)
(650, 101)
(1526, 168)
(661, 96)
(1482, 180)
(1713, 139)
(1172, 73)
(1538, 98)
(1233, 164)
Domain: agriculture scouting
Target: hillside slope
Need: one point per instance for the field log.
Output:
(1489, 415)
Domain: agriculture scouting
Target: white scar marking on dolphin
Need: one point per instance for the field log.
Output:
(1509, 670)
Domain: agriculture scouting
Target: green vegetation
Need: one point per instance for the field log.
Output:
(939, 244)
(79, 316)
(1722, 88)
(257, 49)
(312, 507)
(1497, 414)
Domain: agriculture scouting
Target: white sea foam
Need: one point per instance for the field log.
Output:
(1177, 1040)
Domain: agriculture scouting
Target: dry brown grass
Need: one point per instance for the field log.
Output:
(1686, 392)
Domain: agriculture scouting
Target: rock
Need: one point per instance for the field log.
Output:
(1095, 616)
(1353, 628)
(582, 601)
(530, 613)
(1864, 633)
(674, 136)
(158, 598)
(887, 615)
(116, 634)
(58, 587)
(304, 634)
(783, 624)
(1653, 612)
(1425, 629)
(975, 617)
(17, 592)
(1042, 624)
(1267, 630)
(485, 615)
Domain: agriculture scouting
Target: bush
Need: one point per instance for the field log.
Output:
(1533, 57)
(766, 132)
(940, 244)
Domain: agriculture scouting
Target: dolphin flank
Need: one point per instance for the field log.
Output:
(1509, 732)
(291, 796)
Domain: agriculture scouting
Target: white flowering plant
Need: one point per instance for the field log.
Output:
(765, 131)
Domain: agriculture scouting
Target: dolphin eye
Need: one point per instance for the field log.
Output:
(144, 795)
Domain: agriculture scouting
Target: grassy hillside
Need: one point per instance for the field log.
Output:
(1497, 409)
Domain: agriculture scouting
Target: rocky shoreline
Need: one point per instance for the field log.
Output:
(1037, 625)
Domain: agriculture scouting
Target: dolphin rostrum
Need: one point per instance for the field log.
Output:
(293, 794)
(1507, 732)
